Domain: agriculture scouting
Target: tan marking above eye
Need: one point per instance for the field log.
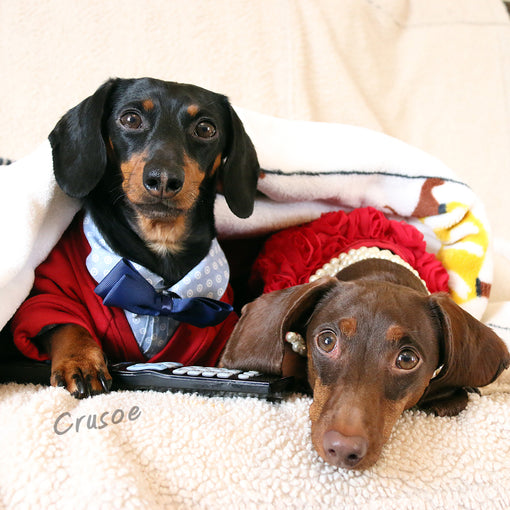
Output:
(395, 333)
(348, 326)
(148, 104)
(193, 109)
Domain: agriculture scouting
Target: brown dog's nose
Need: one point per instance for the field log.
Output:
(163, 182)
(344, 451)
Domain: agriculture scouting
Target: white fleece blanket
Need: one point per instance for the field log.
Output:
(307, 168)
(166, 451)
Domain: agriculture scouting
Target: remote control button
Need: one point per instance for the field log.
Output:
(209, 373)
(153, 366)
(194, 372)
(226, 373)
(223, 375)
(181, 371)
(248, 375)
(171, 364)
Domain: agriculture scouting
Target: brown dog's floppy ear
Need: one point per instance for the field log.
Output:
(79, 152)
(473, 356)
(240, 170)
(257, 342)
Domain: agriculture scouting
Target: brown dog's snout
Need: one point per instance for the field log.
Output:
(163, 182)
(344, 451)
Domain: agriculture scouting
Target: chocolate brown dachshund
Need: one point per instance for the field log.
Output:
(376, 344)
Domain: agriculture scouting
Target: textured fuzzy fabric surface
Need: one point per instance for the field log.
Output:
(182, 451)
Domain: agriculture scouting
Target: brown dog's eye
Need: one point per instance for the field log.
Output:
(407, 359)
(326, 340)
(205, 129)
(131, 120)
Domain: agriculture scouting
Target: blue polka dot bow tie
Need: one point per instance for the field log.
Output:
(126, 288)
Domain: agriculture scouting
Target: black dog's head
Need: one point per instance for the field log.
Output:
(160, 150)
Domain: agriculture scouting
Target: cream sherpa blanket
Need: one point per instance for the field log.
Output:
(187, 452)
(150, 450)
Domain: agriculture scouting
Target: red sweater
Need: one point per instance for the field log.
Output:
(63, 293)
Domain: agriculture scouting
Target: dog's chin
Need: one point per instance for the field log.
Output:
(162, 227)
(159, 212)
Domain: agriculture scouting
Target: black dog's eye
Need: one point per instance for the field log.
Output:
(407, 359)
(131, 120)
(326, 340)
(205, 129)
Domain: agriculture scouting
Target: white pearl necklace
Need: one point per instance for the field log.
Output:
(335, 265)
(297, 342)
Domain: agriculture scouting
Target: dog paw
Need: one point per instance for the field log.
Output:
(83, 377)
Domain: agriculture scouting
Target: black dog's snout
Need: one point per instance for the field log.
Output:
(163, 182)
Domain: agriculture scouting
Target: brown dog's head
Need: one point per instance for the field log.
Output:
(373, 350)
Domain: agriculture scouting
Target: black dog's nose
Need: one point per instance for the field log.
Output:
(163, 182)
(344, 451)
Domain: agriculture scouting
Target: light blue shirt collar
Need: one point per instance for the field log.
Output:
(209, 278)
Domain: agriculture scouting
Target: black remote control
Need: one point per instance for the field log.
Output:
(166, 376)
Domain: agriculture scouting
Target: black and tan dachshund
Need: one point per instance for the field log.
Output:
(147, 158)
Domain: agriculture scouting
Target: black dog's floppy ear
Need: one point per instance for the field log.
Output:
(473, 356)
(79, 152)
(257, 342)
(240, 170)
